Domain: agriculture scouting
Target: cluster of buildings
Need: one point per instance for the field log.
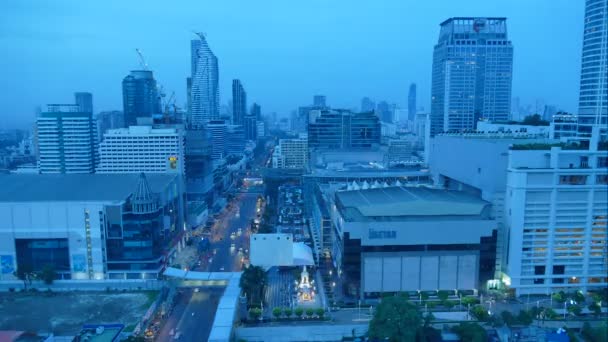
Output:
(111, 194)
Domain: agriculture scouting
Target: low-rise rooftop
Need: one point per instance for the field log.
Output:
(76, 187)
(401, 202)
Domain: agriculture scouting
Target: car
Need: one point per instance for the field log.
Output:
(177, 336)
(197, 290)
(240, 249)
(232, 246)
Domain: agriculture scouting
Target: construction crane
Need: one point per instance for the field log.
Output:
(142, 61)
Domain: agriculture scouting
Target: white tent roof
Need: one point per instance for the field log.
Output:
(302, 255)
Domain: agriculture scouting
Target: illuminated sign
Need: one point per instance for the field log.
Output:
(382, 234)
(173, 162)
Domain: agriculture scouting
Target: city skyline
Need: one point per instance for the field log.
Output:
(252, 60)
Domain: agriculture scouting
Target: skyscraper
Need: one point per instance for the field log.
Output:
(84, 101)
(339, 129)
(367, 105)
(383, 111)
(139, 96)
(239, 102)
(67, 140)
(204, 93)
(472, 73)
(411, 103)
(593, 100)
(256, 111)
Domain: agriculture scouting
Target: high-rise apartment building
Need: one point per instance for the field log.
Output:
(204, 92)
(411, 103)
(256, 111)
(67, 140)
(142, 149)
(235, 140)
(472, 73)
(84, 101)
(139, 96)
(239, 103)
(593, 100)
(339, 129)
(218, 132)
(251, 127)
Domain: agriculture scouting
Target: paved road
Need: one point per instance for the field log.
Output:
(192, 316)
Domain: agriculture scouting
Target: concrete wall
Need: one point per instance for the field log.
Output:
(294, 332)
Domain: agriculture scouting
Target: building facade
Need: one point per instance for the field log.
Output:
(472, 73)
(411, 103)
(142, 149)
(239, 103)
(67, 140)
(339, 129)
(89, 227)
(218, 132)
(204, 89)
(291, 153)
(109, 120)
(139, 96)
(557, 209)
(84, 101)
(593, 100)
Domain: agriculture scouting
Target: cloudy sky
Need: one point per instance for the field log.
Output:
(283, 51)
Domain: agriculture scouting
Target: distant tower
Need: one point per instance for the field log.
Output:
(256, 111)
(593, 100)
(319, 101)
(204, 93)
(472, 73)
(84, 101)
(139, 96)
(411, 103)
(239, 103)
(367, 105)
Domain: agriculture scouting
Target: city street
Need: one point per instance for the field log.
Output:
(192, 315)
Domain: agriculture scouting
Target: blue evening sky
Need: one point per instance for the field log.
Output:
(283, 51)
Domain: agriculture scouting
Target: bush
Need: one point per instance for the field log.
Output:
(595, 308)
(255, 313)
(288, 312)
(524, 317)
(299, 312)
(276, 312)
(469, 300)
(449, 304)
(480, 313)
(310, 312)
(575, 309)
(424, 295)
(320, 312)
(508, 318)
(559, 297)
(550, 313)
(443, 295)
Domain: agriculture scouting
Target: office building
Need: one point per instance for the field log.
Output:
(66, 139)
(139, 96)
(109, 120)
(199, 166)
(411, 103)
(84, 102)
(89, 226)
(239, 103)
(400, 151)
(218, 132)
(564, 126)
(557, 209)
(398, 239)
(256, 111)
(383, 111)
(251, 128)
(291, 153)
(142, 149)
(340, 129)
(235, 140)
(593, 100)
(260, 129)
(319, 101)
(204, 89)
(367, 105)
(472, 72)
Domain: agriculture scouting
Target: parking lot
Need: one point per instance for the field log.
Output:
(291, 212)
(65, 313)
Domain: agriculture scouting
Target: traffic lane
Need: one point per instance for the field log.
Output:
(198, 317)
(178, 311)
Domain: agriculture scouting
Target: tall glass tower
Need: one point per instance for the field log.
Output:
(239, 103)
(411, 103)
(204, 91)
(593, 99)
(472, 73)
(139, 96)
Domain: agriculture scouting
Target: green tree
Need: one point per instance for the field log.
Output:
(575, 309)
(524, 317)
(320, 312)
(255, 313)
(578, 297)
(299, 312)
(310, 312)
(595, 308)
(449, 304)
(253, 282)
(276, 312)
(598, 334)
(550, 313)
(48, 274)
(288, 312)
(396, 319)
(472, 332)
(25, 273)
(480, 313)
(535, 120)
(443, 295)
(469, 300)
(559, 297)
(508, 318)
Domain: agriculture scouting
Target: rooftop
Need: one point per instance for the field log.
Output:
(76, 187)
(399, 201)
